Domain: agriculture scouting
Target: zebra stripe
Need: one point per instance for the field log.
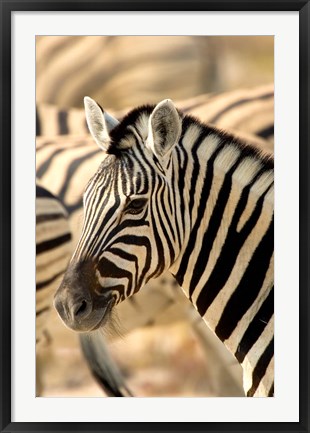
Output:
(162, 302)
(58, 156)
(53, 251)
(69, 185)
(248, 113)
(242, 111)
(223, 190)
(52, 120)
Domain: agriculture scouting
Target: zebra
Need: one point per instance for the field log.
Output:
(53, 252)
(248, 113)
(175, 194)
(244, 112)
(76, 157)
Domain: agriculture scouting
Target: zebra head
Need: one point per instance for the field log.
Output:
(130, 230)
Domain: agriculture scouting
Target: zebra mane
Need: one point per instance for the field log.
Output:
(246, 148)
(138, 118)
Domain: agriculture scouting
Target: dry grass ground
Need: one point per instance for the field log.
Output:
(156, 361)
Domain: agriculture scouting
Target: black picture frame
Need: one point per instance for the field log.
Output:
(7, 7)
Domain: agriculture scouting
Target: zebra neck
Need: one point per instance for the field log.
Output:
(226, 265)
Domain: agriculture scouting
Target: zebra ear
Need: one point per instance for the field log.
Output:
(110, 121)
(165, 126)
(99, 123)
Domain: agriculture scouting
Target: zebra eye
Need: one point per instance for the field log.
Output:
(136, 206)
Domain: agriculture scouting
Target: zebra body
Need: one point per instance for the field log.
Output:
(244, 112)
(174, 194)
(248, 113)
(76, 157)
(53, 252)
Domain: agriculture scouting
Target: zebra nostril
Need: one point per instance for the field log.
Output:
(81, 309)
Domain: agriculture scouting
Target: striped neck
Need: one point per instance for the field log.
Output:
(226, 263)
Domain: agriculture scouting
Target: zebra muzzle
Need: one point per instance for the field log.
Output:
(81, 314)
(78, 305)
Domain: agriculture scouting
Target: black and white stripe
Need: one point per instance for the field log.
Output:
(65, 163)
(53, 252)
(242, 111)
(248, 113)
(174, 194)
(126, 71)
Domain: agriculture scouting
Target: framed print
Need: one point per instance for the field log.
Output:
(185, 185)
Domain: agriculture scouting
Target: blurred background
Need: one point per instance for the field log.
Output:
(124, 71)
(165, 359)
